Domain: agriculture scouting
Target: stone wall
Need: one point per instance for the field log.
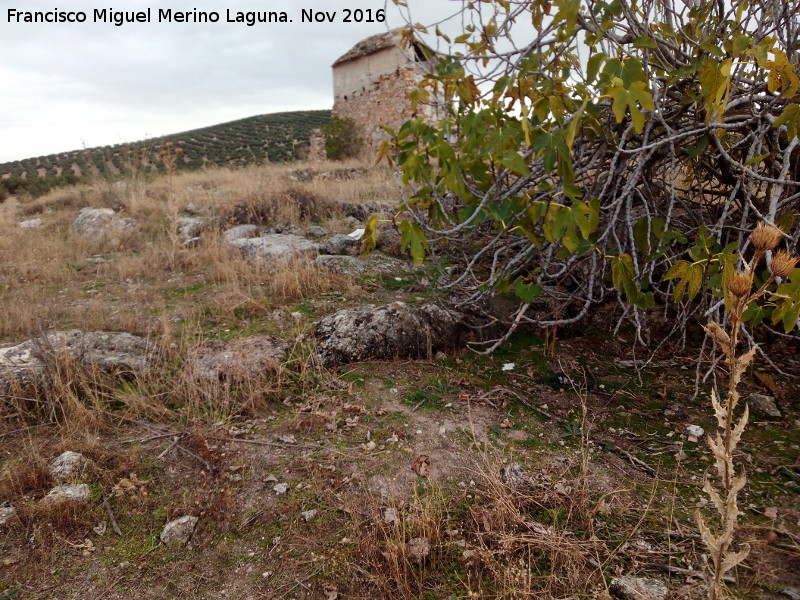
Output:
(316, 150)
(381, 99)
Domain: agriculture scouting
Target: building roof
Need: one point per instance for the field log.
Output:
(370, 45)
(379, 42)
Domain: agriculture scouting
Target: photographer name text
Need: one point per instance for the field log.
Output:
(120, 18)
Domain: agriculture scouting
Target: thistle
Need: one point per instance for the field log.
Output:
(765, 238)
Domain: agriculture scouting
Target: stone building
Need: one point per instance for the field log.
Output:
(371, 84)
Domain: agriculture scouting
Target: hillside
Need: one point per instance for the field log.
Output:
(274, 137)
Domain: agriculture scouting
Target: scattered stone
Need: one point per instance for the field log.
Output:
(29, 363)
(377, 486)
(240, 232)
(191, 227)
(275, 248)
(7, 515)
(514, 476)
(280, 489)
(179, 531)
(793, 593)
(30, 224)
(389, 516)
(341, 244)
(316, 231)
(103, 224)
(308, 514)
(194, 210)
(236, 361)
(73, 493)
(418, 549)
(68, 466)
(629, 587)
(694, 431)
(763, 405)
(388, 332)
(373, 264)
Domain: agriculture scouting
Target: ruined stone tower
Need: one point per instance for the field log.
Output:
(371, 84)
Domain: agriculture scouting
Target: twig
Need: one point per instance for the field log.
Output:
(208, 465)
(174, 443)
(110, 514)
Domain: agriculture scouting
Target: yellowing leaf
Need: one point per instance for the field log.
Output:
(627, 99)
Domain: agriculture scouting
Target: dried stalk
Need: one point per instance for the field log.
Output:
(722, 558)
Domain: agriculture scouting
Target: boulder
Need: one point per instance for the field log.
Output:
(30, 362)
(236, 361)
(73, 493)
(103, 225)
(629, 587)
(179, 531)
(373, 264)
(68, 466)
(315, 231)
(342, 243)
(240, 232)
(275, 248)
(387, 332)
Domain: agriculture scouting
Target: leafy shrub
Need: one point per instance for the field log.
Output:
(341, 139)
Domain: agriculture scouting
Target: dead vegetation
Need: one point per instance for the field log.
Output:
(532, 488)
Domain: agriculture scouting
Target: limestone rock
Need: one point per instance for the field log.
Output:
(374, 263)
(191, 227)
(315, 231)
(72, 493)
(629, 587)
(275, 248)
(241, 360)
(308, 515)
(103, 224)
(240, 232)
(68, 466)
(29, 363)
(764, 405)
(30, 224)
(179, 531)
(418, 549)
(8, 515)
(388, 332)
(377, 486)
(341, 243)
(514, 476)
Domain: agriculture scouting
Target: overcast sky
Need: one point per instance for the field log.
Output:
(66, 86)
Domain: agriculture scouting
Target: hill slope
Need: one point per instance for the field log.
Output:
(274, 137)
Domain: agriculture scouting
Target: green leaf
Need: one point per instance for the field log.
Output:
(413, 239)
(514, 162)
(626, 99)
(644, 42)
(527, 292)
(698, 148)
(791, 118)
(593, 66)
(586, 216)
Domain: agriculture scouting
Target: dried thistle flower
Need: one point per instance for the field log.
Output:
(783, 263)
(766, 236)
(740, 285)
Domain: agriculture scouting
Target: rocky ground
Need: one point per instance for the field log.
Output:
(208, 393)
